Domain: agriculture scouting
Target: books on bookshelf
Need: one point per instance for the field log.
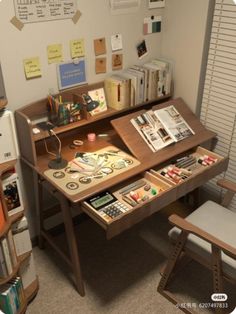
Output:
(12, 296)
(161, 127)
(138, 84)
(21, 236)
(8, 259)
(12, 193)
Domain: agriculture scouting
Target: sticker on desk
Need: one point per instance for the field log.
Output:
(89, 169)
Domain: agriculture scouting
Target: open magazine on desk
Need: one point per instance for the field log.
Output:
(161, 127)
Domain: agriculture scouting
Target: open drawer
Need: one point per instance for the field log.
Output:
(132, 201)
(162, 192)
(191, 170)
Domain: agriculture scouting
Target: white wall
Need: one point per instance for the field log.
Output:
(95, 22)
(183, 37)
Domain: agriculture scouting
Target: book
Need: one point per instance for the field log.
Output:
(161, 127)
(2, 217)
(174, 123)
(3, 266)
(153, 78)
(11, 247)
(7, 256)
(98, 95)
(152, 130)
(12, 193)
(21, 236)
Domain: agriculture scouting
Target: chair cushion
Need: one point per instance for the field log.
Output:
(217, 221)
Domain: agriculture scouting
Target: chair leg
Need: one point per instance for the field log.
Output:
(171, 263)
(217, 274)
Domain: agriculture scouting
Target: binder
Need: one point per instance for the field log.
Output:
(117, 90)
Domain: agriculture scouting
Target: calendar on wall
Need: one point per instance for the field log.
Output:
(28, 11)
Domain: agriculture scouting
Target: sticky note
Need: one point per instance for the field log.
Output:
(32, 67)
(54, 53)
(77, 48)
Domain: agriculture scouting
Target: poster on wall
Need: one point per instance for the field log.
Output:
(28, 11)
(70, 74)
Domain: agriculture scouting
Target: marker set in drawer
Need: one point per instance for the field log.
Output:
(182, 168)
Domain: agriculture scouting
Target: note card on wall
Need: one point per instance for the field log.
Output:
(32, 67)
(28, 11)
(152, 25)
(54, 53)
(77, 48)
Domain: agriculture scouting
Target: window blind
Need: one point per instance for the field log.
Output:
(218, 109)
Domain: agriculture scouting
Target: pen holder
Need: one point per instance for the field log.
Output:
(65, 113)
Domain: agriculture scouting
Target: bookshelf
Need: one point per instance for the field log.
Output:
(13, 295)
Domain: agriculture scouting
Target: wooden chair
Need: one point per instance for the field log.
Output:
(208, 235)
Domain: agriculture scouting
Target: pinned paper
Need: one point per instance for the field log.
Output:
(142, 49)
(77, 48)
(116, 42)
(32, 67)
(54, 53)
(100, 46)
(101, 65)
(77, 16)
(17, 23)
(152, 25)
(117, 61)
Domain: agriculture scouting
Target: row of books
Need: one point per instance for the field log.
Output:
(138, 84)
(12, 296)
(161, 127)
(16, 243)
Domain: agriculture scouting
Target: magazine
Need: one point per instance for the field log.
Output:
(174, 123)
(161, 127)
(152, 130)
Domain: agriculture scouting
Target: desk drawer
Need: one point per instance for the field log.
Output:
(133, 214)
(170, 191)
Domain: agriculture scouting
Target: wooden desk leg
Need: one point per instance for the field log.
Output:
(72, 243)
(39, 208)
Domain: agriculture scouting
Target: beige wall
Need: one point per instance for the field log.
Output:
(183, 38)
(95, 22)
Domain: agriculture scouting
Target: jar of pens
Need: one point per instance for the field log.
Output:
(63, 112)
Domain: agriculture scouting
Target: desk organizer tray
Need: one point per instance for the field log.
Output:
(73, 179)
(131, 196)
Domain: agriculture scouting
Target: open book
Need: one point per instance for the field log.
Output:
(161, 127)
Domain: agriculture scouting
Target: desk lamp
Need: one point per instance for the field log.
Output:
(58, 162)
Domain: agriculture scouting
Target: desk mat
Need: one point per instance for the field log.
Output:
(111, 161)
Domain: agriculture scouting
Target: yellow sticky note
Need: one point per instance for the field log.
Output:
(54, 53)
(32, 67)
(77, 48)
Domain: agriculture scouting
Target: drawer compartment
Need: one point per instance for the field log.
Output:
(198, 172)
(144, 188)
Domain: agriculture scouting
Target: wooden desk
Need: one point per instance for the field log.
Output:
(125, 138)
